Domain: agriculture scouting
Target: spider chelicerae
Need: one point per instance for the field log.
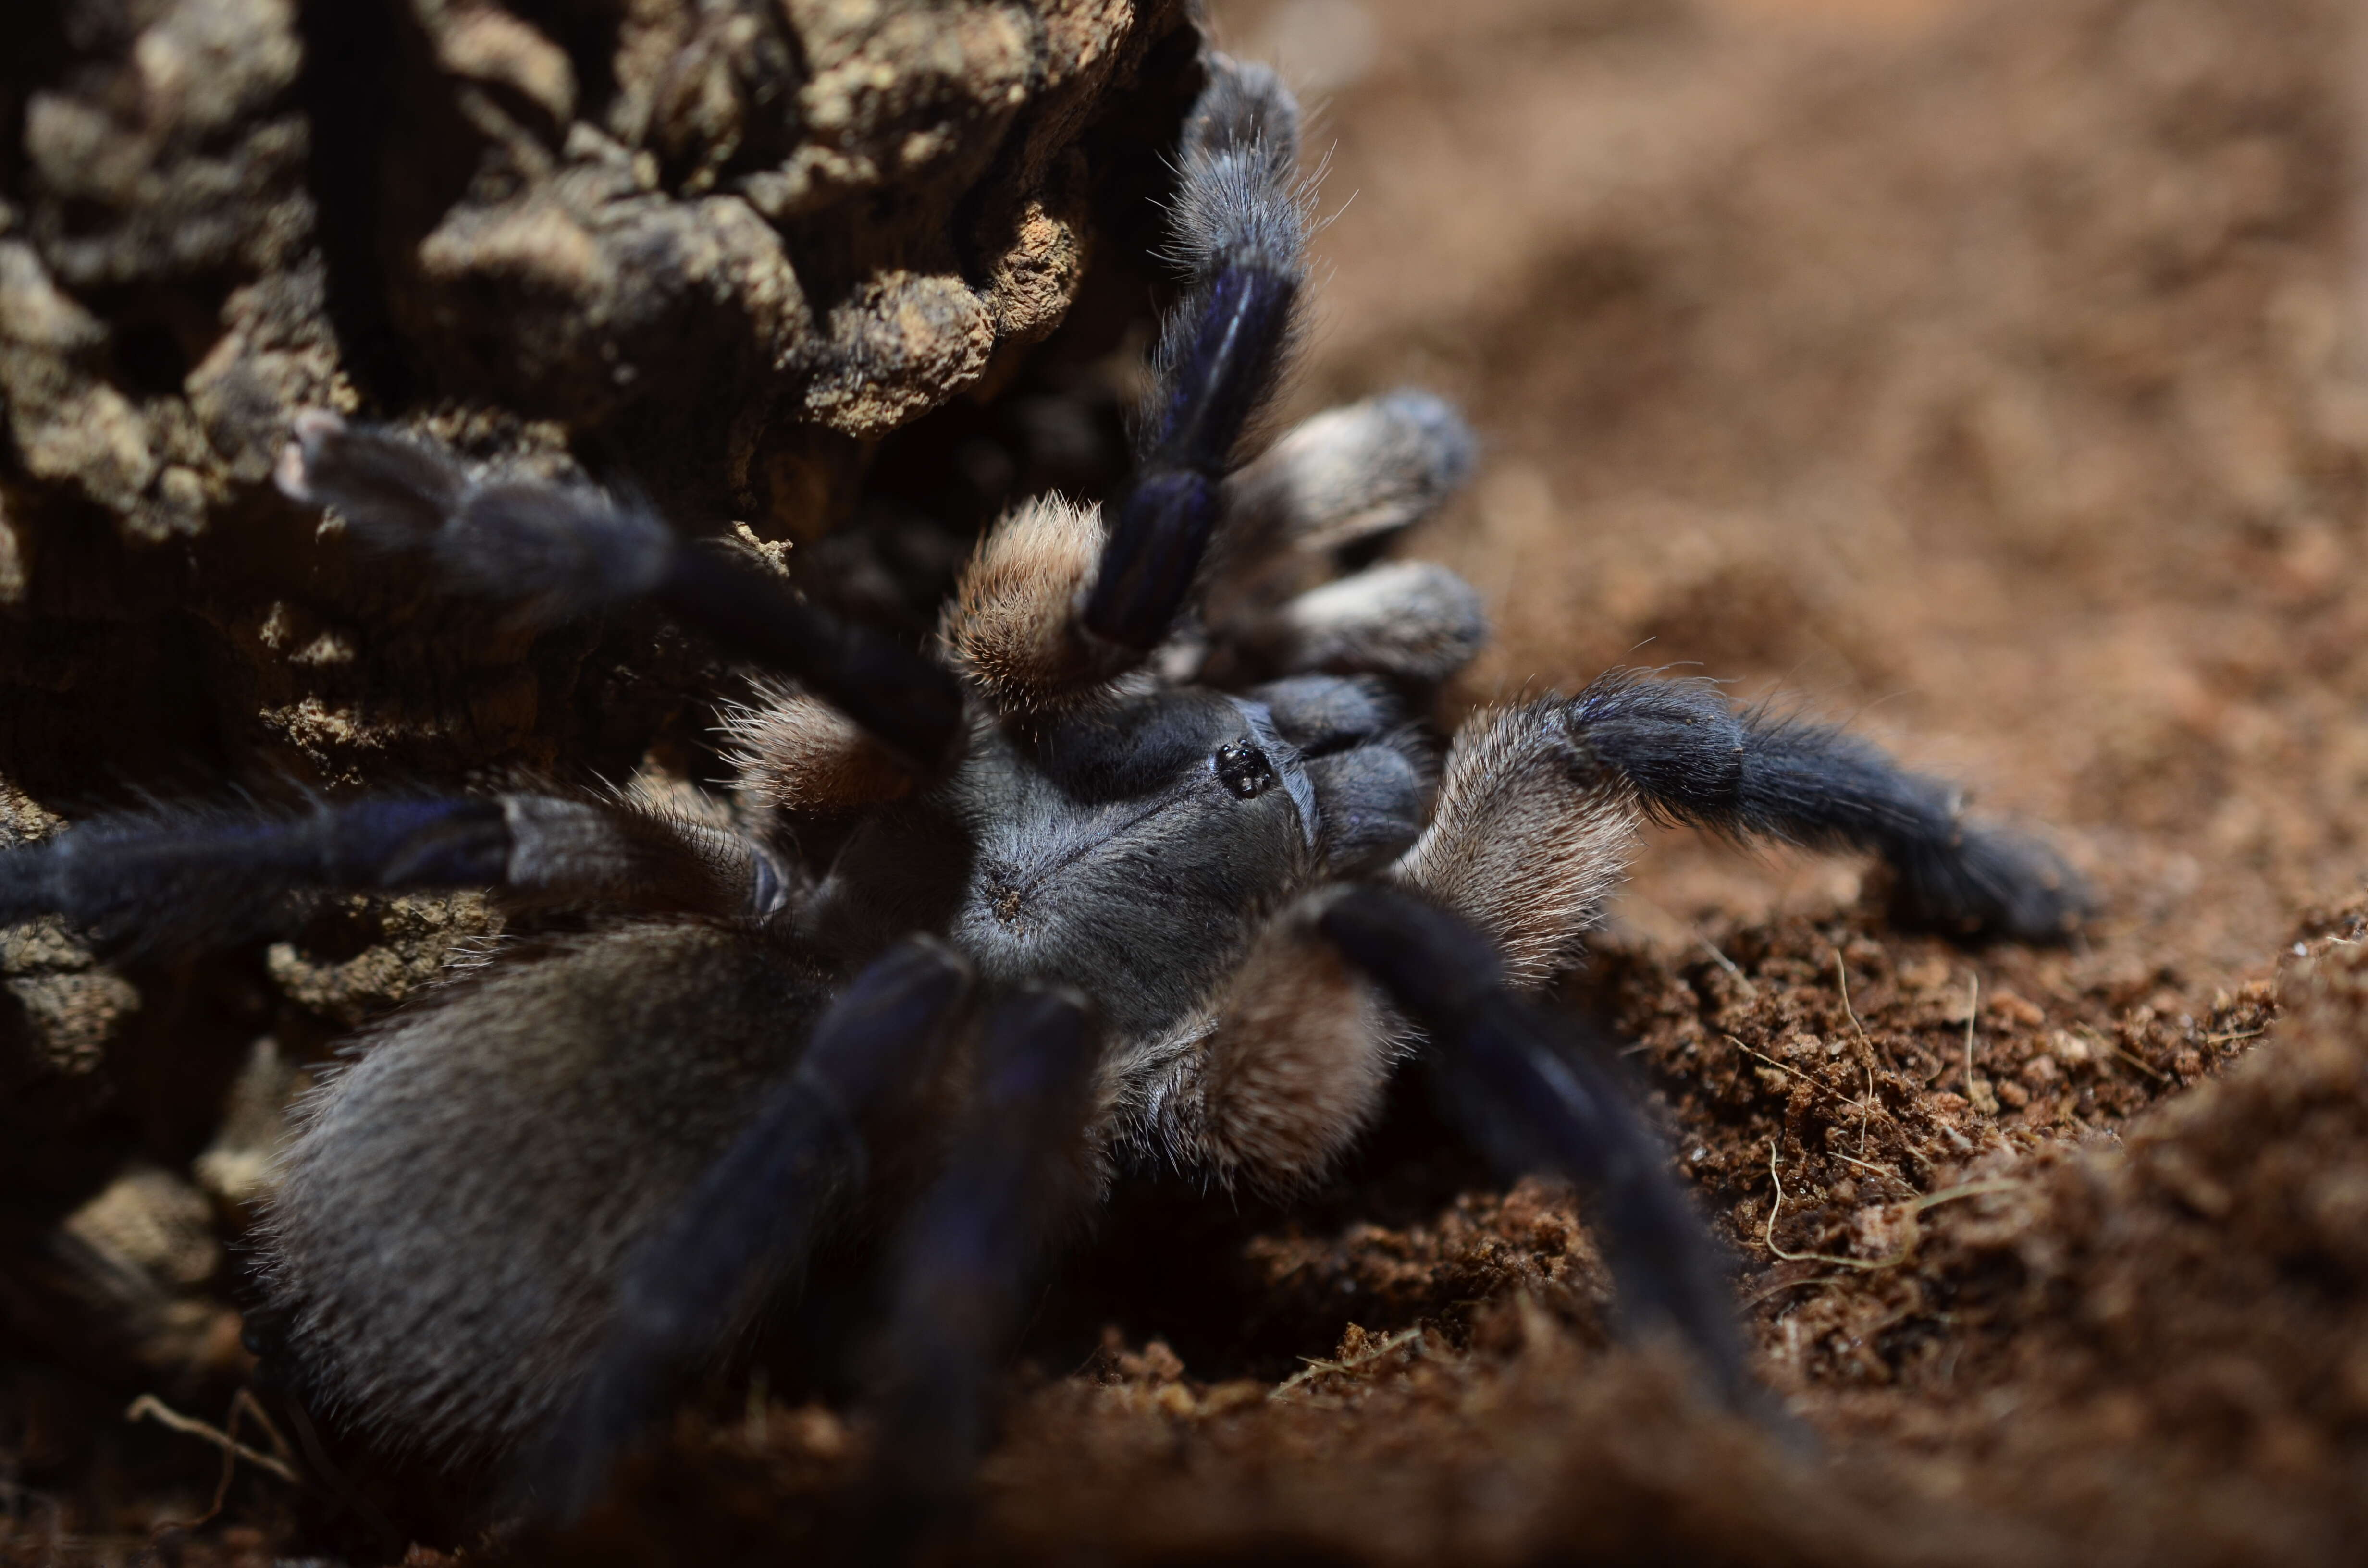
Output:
(1148, 862)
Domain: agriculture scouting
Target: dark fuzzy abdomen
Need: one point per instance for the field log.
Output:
(458, 1204)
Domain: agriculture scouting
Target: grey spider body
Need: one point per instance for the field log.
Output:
(1128, 867)
(1123, 852)
(1150, 863)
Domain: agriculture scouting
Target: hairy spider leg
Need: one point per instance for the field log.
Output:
(174, 876)
(1054, 606)
(911, 705)
(1414, 620)
(1531, 1099)
(1691, 757)
(1273, 1078)
(1323, 498)
(1351, 474)
(559, 552)
(752, 1219)
(1344, 478)
(970, 1246)
(1241, 224)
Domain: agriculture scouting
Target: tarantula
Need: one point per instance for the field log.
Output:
(1147, 862)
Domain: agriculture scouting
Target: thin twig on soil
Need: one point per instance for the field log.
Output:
(1865, 1047)
(1842, 977)
(1774, 1290)
(1947, 1195)
(148, 1407)
(1865, 1109)
(1751, 991)
(1866, 1165)
(244, 1400)
(1973, 1014)
(2140, 1062)
(1795, 1072)
(1316, 1368)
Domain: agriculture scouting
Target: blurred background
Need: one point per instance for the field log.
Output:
(1984, 373)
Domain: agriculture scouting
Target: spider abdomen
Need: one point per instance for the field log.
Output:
(458, 1202)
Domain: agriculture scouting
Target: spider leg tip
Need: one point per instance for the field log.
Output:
(293, 472)
(312, 424)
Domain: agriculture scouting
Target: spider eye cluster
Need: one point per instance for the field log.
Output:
(1244, 769)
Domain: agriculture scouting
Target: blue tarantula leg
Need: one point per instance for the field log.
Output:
(559, 552)
(1345, 476)
(1414, 620)
(1241, 223)
(1691, 756)
(203, 875)
(178, 875)
(967, 1254)
(1372, 798)
(1532, 1100)
(1013, 626)
(1350, 474)
(754, 1216)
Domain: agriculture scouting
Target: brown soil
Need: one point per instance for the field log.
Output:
(1991, 373)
